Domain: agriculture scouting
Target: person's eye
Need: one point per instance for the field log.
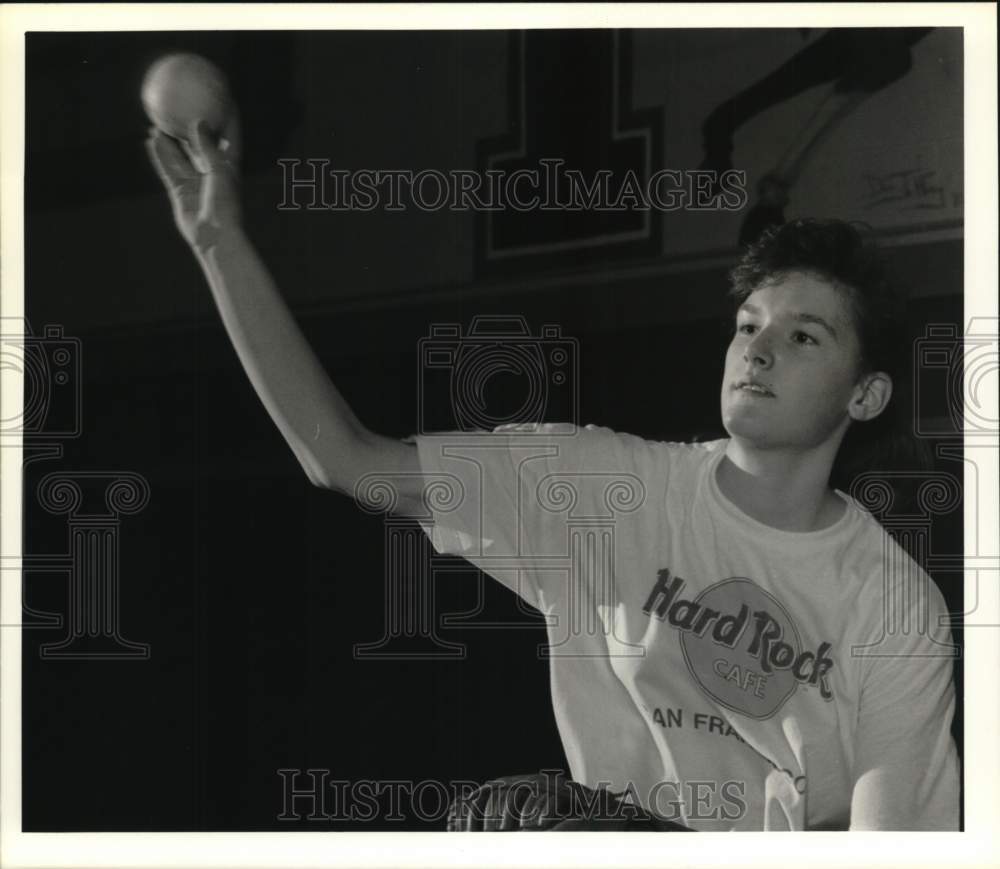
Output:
(803, 338)
(746, 328)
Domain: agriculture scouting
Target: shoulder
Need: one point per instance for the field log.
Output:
(872, 548)
(595, 441)
(542, 448)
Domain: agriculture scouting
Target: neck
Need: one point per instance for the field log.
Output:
(786, 489)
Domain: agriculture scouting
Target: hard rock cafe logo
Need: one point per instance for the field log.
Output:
(740, 644)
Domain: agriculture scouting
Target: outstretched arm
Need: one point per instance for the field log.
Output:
(333, 447)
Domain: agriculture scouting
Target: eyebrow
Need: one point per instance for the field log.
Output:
(800, 318)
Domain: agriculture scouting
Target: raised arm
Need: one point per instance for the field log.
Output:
(331, 444)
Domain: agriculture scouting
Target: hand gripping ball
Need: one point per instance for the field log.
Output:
(181, 88)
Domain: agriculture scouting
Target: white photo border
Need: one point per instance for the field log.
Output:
(978, 845)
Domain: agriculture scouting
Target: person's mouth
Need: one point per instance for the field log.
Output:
(752, 386)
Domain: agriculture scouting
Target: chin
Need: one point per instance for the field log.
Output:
(753, 432)
(746, 419)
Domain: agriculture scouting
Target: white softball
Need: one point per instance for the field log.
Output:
(181, 88)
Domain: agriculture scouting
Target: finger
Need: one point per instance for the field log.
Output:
(154, 158)
(168, 159)
(171, 156)
(550, 809)
(460, 813)
(473, 808)
(498, 816)
(498, 804)
(193, 157)
(516, 795)
(194, 148)
(492, 818)
(453, 824)
(534, 812)
(204, 147)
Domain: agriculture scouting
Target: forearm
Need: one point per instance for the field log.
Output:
(311, 414)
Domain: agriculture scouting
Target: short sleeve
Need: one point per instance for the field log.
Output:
(514, 495)
(906, 771)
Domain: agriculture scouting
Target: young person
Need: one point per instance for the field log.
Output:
(734, 644)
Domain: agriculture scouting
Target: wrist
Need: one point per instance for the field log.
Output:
(212, 238)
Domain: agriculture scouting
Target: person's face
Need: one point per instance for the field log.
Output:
(793, 366)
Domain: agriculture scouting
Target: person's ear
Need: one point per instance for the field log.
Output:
(871, 396)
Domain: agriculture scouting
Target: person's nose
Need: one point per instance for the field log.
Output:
(758, 351)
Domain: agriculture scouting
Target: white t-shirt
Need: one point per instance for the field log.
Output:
(724, 674)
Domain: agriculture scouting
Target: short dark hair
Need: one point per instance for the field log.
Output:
(845, 254)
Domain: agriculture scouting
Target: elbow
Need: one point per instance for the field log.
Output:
(318, 480)
(322, 478)
(336, 473)
(315, 474)
(325, 481)
(360, 498)
(314, 470)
